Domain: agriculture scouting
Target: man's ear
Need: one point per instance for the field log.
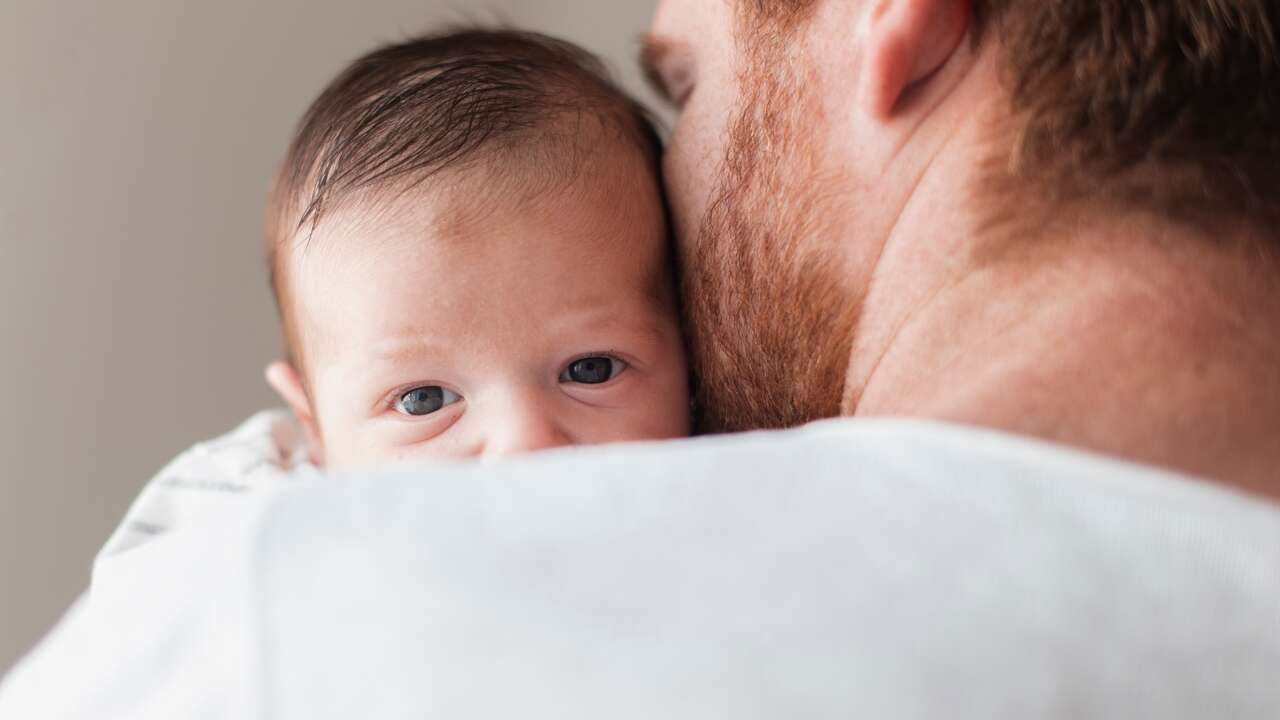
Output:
(287, 383)
(903, 43)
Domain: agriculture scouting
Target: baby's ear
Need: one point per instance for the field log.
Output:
(287, 383)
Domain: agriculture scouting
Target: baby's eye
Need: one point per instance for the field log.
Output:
(426, 400)
(593, 370)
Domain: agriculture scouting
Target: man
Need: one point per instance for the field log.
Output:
(1055, 219)
(1031, 220)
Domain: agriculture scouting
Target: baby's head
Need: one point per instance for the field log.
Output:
(469, 251)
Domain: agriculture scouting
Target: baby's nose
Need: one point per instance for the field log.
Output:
(524, 425)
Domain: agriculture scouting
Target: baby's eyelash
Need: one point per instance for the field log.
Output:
(598, 353)
(389, 401)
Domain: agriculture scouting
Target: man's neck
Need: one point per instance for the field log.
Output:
(1130, 337)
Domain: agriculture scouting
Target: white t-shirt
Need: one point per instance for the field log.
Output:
(887, 569)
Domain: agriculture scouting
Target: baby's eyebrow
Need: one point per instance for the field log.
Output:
(635, 326)
(402, 350)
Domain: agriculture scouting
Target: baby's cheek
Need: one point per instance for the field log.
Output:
(659, 423)
(672, 406)
(443, 435)
(343, 451)
(673, 417)
(660, 411)
(356, 445)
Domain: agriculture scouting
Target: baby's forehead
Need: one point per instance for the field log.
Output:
(573, 189)
(472, 240)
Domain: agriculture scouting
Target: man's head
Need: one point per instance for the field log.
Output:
(808, 126)
(469, 253)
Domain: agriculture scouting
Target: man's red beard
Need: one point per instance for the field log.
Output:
(770, 319)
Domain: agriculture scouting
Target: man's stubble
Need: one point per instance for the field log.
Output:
(770, 318)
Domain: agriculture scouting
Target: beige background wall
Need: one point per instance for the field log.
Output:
(136, 138)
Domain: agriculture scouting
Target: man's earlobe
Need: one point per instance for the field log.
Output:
(285, 380)
(903, 43)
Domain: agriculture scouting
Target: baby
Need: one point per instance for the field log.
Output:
(469, 252)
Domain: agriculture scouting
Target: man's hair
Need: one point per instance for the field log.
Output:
(1164, 105)
(396, 116)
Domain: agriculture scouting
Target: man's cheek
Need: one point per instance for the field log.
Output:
(682, 187)
(692, 166)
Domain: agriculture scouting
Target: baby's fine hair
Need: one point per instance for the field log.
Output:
(404, 112)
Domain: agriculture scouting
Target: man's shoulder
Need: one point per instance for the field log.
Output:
(862, 454)
(844, 481)
(909, 569)
(885, 568)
